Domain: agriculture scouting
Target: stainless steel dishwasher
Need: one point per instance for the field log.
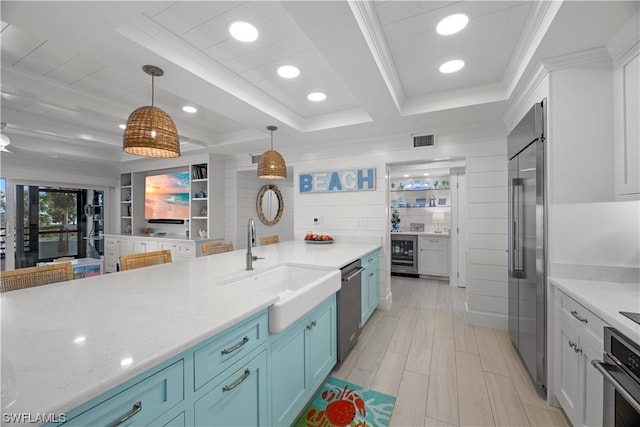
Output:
(349, 309)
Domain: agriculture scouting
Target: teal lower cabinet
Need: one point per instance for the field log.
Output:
(370, 297)
(242, 376)
(301, 358)
(239, 399)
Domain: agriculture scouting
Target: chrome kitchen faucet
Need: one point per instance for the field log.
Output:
(251, 242)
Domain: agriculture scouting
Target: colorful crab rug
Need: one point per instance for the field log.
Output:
(339, 403)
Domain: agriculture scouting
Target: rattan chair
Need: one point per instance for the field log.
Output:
(216, 247)
(269, 240)
(35, 276)
(129, 262)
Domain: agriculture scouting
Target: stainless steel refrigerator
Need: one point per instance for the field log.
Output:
(527, 242)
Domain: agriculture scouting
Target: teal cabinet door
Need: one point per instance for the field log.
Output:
(364, 297)
(322, 339)
(238, 400)
(370, 285)
(301, 357)
(374, 288)
(288, 380)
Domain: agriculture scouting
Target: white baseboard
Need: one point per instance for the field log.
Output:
(484, 318)
(385, 301)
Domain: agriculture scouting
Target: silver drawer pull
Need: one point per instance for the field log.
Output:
(137, 407)
(235, 347)
(580, 318)
(237, 382)
(572, 344)
(312, 325)
(371, 274)
(577, 349)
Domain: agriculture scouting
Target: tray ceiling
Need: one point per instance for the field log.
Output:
(71, 71)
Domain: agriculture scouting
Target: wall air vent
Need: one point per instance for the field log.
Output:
(255, 158)
(424, 140)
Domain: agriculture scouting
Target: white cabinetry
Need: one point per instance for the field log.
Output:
(142, 246)
(578, 340)
(116, 246)
(433, 256)
(627, 124)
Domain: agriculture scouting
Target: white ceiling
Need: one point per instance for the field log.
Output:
(71, 71)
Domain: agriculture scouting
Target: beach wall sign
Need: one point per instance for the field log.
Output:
(338, 181)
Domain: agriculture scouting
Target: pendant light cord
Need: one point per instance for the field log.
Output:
(271, 140)
(152, 88)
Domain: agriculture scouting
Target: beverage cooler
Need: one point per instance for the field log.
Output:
(404, 253)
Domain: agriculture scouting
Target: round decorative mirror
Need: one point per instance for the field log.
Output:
(270, 204)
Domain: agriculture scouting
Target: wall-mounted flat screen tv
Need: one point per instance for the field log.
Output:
(166, 196)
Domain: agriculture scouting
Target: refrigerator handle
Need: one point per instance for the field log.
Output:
(517, 249)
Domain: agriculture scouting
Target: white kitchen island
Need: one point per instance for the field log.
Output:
(67, 343)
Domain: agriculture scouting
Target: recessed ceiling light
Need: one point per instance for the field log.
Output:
(406, 175)
(452, 66)
(122, 126)
(288, 72)
(189, 109)
(316, 96)
(243, 31)
(426, 174)
(452, 24)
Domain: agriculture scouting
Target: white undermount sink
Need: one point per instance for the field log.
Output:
(299, 288)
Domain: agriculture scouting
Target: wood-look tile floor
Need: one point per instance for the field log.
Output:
(441, 370)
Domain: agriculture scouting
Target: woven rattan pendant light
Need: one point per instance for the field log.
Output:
(150, 132)
(271, 164)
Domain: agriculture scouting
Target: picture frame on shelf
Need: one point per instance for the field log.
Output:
(442, 201)
(421, 202)
(416, 227)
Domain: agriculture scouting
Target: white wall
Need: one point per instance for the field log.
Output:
(247, 187)
(599, 241)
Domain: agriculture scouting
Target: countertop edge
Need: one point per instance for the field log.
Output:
(591, 293)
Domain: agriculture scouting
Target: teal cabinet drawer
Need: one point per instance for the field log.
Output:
(213, 358)
(239, 399)
(141, 403)
(170, 419)
(370, 258)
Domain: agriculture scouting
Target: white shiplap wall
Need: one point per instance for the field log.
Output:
(248, 186)
(487, 237)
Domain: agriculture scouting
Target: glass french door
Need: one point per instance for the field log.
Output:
(44, 223)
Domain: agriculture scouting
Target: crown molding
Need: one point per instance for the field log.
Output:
(576, 58)
(367, 19)
(454, 99)
(538, 23)
(626, 39)
(519, 97)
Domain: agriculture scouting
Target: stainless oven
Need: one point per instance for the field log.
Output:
(404, 253)
(621, 371)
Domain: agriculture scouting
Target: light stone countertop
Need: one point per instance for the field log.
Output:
(62, 344)
(606, 299)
